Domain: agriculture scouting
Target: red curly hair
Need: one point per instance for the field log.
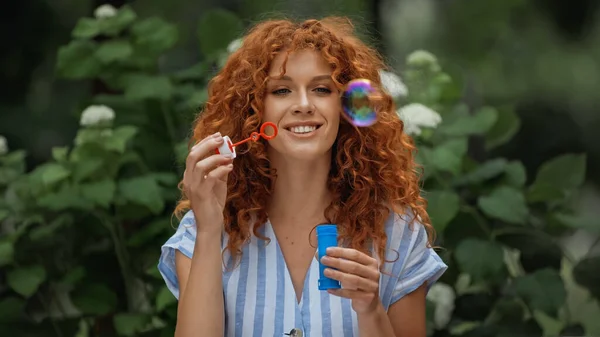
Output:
(373, 169)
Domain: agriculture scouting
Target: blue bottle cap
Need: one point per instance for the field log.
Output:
(326, 229)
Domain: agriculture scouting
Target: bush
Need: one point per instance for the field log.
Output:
(81, 233)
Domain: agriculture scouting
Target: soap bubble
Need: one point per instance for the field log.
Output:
(358, 102)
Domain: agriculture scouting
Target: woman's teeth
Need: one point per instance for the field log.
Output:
(303, 129)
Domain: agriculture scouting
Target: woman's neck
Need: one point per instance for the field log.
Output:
(300, 192)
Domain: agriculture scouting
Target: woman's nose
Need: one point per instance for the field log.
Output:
(304, 104)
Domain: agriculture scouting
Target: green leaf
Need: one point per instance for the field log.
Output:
(60, 154)
(143, 191)
(154, 34)
(442, 207)
(6, 253)
(73, 276)
(26, 280)
(120, 137)
(114, 25)
(8, 175)
(52, 173)
(165, 178)
(535, 251)
(543, 192)
(542, 290)
(154, 272)
(509, 309)
(148, 232)
(76, 60)
(100, 192)
(586, 274)
(515, 174)
(86, 28)
(565, 172)
(14, 159)
(164, 299)
(114, 50)
(84, 329)
(483, 172)
(68, 197)
(95, 299)
(506, 126)
(129, 324)
(225, 22)
(449, 156)
(181, 151)
(506, 204)
(45, 231)
(11, 308)
(579, 221)
(4, 214)
(85, 168)
(479, 258)
(475, 124)
(195, 72)
(141, 87)
(463, 328)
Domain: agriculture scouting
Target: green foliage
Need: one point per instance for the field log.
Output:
(500, 229)
(81, 234)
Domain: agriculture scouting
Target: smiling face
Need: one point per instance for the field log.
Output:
(304, 104)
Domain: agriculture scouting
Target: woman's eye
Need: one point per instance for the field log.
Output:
(323, 90)
(281, 91)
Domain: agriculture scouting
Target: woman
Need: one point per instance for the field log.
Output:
(242, 262)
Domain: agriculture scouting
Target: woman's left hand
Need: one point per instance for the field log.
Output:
(358, 274)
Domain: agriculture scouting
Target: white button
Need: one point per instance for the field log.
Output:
(294, 333)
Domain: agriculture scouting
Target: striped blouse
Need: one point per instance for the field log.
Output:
(260, 298)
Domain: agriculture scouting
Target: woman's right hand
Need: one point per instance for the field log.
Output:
(205, 183)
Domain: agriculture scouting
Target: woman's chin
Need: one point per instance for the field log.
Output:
(304, 153)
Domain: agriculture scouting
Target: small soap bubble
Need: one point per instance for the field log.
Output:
(358, 102)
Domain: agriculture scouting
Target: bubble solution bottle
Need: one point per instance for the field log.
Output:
(327, 236)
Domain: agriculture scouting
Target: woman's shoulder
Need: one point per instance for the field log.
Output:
(404, 227)
(411, 261)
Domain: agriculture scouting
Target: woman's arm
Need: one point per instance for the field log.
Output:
(376, 324)
(405, 318)
(407, 315)
(201, 309)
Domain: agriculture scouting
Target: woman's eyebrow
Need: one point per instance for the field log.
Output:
(316, 78)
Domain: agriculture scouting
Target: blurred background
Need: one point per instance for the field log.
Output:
(97, 101)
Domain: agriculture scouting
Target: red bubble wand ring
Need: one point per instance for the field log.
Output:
(229, 148)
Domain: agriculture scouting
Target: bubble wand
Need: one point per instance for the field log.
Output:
(228, 147)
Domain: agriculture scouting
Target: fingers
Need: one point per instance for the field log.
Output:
(220, 173)
(205, 166)
(353, 282)
(354, 269)
(204, 148)
(351, 294)
(351, 267)
(352, 255)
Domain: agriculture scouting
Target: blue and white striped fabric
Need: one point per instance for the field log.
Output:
(260, 298)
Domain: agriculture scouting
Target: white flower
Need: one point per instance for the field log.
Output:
(105, 11)
(234, 45)
(3, 146)
(392, 84)
(96, 114)
(423, 58)
(417, 116)
(443, 296)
